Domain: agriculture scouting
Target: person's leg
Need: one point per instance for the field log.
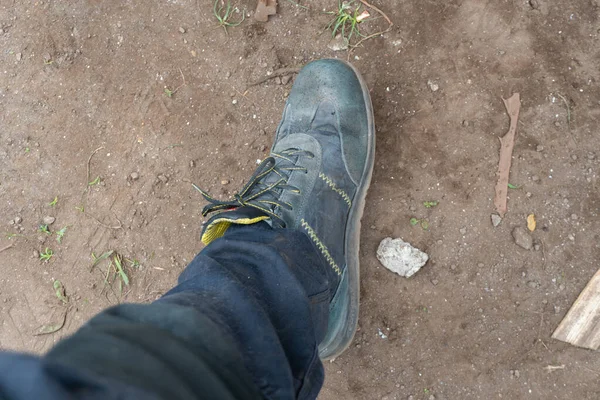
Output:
(245, 318)
(276, 287)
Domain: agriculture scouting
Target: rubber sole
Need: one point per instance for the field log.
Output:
(343, 318)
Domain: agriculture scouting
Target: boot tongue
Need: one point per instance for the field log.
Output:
(218, 224)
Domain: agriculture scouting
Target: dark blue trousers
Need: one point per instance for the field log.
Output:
(244, 322)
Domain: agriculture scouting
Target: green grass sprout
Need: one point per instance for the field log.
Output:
(223, 14)
(46, 255)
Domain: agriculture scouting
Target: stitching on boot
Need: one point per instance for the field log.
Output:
(336, 189)
(321, 246)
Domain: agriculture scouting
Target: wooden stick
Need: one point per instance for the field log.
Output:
(6, 247)
(581, 325)
(507, 143)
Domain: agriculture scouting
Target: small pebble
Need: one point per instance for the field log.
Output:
(36, 254)
(528, 194)
(463, 231)
(574, 157)
(224, 182)
(573, 217)
(234, 101)
(496, 220)
(535, 178)
(534, 4)
(539, 148)
(453, 267)
(571, 237)
(134, 176)
(263, 148)
(48, 220)
(277, 80)
(19, 56)
(181, 29)
(285, 79)
(533, 284)
(373, 227)
(162, 178)
(435, 282)
(517, 373)
(591, 156)
(522, 238)
(537, 247)
(465, 123)
(192, 163)
(434, 87)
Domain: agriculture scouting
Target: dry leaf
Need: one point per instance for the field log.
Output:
(531, 222)
(364, 15)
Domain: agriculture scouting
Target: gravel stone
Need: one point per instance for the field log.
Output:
(522, 238)
(48, 220)
(496, 220)
(400, 257)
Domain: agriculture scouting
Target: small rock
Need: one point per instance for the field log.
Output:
(533, 284)
(134, 176)
(36, 254)
(373, 227)
(277, 80)
(537, 247)
(496, 220)
(539, 148)
(234, 101)
(591, 156)
(263, 148)
(285, 79)
(18, 220)
(434, 282)
(535, 178)
(522, 238)
(434, 87)
(463, 230)
(163, 178)
(574, 157)
(412, 208)
(571, 237)
(192, 163)
(400, 257)
(465, 123)
(557, 123)
(534, 4)
(48, 220)
(19, 56)
(338, 43)
(574, 217)
(528, 194)
(181, 30)
(224, 182)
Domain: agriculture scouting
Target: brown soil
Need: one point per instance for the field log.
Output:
(475, 322)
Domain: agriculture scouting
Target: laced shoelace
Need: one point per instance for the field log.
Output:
(264, 186)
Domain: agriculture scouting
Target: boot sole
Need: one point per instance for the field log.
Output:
(345, 304)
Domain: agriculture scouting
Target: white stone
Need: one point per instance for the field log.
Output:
(400, 257)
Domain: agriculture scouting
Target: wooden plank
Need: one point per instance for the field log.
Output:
(581, 325)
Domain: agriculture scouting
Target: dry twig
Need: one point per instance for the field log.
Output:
(507, 143)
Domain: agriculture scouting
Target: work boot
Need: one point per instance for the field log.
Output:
(315, 180)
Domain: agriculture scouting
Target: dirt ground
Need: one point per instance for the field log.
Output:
(82, 95)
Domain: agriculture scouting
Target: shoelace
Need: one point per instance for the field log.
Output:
(263, 188)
